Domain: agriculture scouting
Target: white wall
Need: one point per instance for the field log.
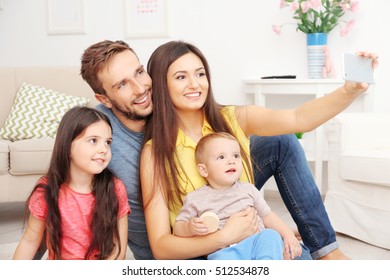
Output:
(236, 37)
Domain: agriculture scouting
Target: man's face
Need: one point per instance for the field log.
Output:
(128, 87)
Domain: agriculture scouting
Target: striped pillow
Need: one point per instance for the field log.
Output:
(37, 112)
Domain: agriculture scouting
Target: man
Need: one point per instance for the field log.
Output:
(124, 88)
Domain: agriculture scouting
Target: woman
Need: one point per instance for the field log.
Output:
(184, 111)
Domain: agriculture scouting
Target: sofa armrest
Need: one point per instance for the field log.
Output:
(359, 148)
(359, 131)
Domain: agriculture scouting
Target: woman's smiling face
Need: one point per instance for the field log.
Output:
(187, 83)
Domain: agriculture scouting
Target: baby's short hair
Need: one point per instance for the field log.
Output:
(200, 147)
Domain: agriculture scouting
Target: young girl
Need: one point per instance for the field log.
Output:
(79, 207)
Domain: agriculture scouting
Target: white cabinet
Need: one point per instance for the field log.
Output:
(269, 92)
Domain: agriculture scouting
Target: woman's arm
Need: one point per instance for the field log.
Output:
(31, 239)
(262, 121)
(164, 244)
(123, 231)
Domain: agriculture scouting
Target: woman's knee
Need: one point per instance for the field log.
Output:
(259, 143)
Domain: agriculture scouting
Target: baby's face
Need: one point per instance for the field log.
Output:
(223, 162)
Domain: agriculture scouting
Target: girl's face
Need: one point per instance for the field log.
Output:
(187, 83)
(90, 151)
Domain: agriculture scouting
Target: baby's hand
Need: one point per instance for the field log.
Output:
(292, 247)
(207, 223)
(198, 227)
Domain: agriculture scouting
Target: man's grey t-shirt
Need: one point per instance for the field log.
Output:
(125, 149)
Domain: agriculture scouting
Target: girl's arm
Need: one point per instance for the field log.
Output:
(262, 121)
(164, 244)
(31, 239)
(123, 231)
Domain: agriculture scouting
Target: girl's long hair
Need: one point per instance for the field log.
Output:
(163, 124)
(104, 225)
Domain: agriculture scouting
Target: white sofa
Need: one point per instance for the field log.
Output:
(23, 162)
(358, 196)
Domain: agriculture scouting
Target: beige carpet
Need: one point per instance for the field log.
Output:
(7, 250)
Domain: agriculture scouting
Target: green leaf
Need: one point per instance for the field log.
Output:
(324, 19)
(299, 135)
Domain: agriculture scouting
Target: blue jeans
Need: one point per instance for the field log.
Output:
(283, 158)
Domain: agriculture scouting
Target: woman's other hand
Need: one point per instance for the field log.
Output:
(240, 226)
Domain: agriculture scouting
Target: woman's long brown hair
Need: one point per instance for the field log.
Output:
(163, 124)
(104, 225)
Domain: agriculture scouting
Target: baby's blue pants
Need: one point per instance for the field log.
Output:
(265, 245)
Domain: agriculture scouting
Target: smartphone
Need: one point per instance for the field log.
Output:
(357, 68)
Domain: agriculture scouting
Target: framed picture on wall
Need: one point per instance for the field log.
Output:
(145, 18)
(65, 17)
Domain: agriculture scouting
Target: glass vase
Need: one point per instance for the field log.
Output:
(316, 45)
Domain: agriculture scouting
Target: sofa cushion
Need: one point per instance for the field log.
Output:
(37, 112)
(369, 166)
(4, 156)
(30, 156)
